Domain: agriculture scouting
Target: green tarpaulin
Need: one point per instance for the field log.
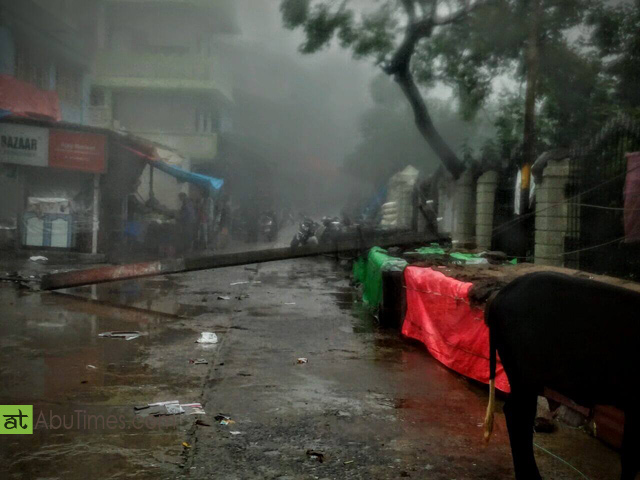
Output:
(369, 272)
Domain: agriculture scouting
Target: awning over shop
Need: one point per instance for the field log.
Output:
(162, 159)
(198, 179)
(22, 99)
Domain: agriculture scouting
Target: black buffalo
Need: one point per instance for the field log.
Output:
(576, 336)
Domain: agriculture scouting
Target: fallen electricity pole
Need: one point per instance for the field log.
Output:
(77, 278)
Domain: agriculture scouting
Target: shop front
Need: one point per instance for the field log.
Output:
(50, 186)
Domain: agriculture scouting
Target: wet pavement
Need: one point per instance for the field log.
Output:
(368, 403)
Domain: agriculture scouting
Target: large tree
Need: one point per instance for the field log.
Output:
(616, 35)
(390, 33)
(466, 44)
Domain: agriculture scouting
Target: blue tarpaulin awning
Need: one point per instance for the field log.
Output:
(198, 179)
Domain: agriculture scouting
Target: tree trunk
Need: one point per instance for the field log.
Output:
(400, 69)
(532, 61)
(426, 127)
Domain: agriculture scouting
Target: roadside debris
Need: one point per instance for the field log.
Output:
(172, 407)
(186, 445)
(245, 282)
(207, 337)
(223, 419)
(198, 361)
(302, 360)
(38, 258)
(91, 367)
(235, 432)
(223, 297)
(125, 335)
(290, 303)
(316, 455)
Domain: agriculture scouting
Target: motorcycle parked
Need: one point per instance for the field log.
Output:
(306, 234)
(330, 230)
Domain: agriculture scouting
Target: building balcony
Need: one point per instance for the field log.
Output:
(155, 71)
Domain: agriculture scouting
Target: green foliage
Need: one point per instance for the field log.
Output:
(616, 35)
(574, 93)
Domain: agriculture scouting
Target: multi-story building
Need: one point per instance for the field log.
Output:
(48, 44)
(157, 76)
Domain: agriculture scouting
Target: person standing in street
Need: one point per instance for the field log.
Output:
(187, 222)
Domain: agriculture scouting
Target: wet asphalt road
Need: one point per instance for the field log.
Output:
(375, 405)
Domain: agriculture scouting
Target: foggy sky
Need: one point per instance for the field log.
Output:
(339, 85)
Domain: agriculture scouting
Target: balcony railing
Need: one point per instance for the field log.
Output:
(161, 71)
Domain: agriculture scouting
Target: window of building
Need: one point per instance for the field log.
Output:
(98, 97)
(31, 67)
(206, 120)
(69, 85)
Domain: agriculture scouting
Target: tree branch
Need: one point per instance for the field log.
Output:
(410, 8)
(399, 68)
(455, 16)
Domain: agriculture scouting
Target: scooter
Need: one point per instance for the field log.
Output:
(306, 234)
(330, 230)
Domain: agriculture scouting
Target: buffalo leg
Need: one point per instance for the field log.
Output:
(520, 412)
(630, 446)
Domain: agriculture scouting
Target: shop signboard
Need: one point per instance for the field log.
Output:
(24, 145)
(77, 151)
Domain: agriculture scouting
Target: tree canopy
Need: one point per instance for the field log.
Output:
(468, 44)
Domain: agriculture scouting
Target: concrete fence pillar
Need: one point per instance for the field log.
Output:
(485, 201)
(552, 214)
(464, 214)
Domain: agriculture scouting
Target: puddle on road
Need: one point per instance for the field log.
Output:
(52, 357)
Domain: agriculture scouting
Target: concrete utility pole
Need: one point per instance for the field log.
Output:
(76, 278)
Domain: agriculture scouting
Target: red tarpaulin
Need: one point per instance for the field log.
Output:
(440, 316)
(632, 199)
(23, 99)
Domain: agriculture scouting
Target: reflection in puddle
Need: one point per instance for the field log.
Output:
(61, 366)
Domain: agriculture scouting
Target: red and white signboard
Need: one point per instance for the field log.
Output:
(77, 151)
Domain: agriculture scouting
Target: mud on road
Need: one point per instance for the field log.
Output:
(367, 404)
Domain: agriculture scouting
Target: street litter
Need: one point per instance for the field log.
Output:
(290, 303)
(186, 445)
(303, 360)
(172, 407)
(316, 455)
(125, 335)
(92, 367)
(348, 462)
(193, 409)
(233, 432)
(38, 258)
(223, 297)
(207, 337)
(238, 283)
(224, 419)
(198, 361)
